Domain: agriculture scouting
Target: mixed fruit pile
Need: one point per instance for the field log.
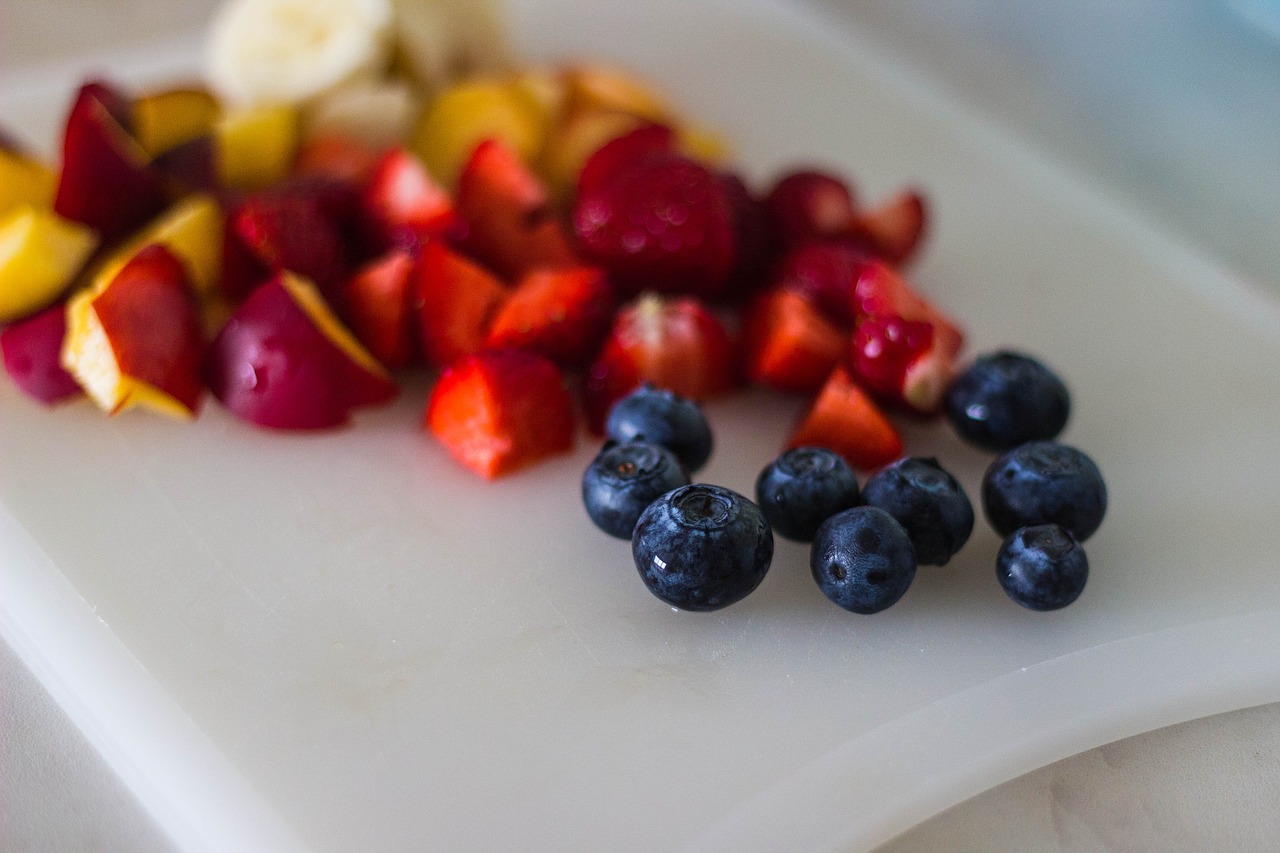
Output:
(544, 242)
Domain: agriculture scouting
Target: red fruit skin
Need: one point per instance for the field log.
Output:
(153, 324)
(272, 366)
(106, 181)
(509, 225)
(756, 248)
(674, 343)
(810, 205)
(455, 300)
(879, 290)
(787, 344)
(666, 224)
(287, 228)
(622, 153)
(31, 349)
(895, 228)
(189, 167)
(402, 205)
(825, 274)
(378, 305)
(561, 314)
(844, 419)
(501, 410)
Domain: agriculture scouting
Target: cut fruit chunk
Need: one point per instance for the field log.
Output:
(788, 345)
(377, 301)
(623, 153)
(336, 157)
(456, 299)
(572, 142)
(25, 181)
(32, 356)
(880, 291)
(808, 205)
(106, 182)
(166, 119)
(403, 205)
(673, 343)
(844, 419)
(136, 340)
(40, 254)
(284, 360)
(256, 147)
(903, 362)
(894, 228)
(501, 410)
(509, 224)
(825, 275)
(192, 231)
(467, 114)
(561, 314)
(378, 113)
(599, 87)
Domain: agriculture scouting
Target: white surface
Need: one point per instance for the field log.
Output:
(372, 672)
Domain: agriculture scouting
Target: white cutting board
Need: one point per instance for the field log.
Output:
(345, 642)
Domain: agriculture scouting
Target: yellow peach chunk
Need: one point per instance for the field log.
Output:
(24, 181)
(598, 87)
(167, 119)
(40, 253)
(465, 115)
(576, 139)
(256, 147)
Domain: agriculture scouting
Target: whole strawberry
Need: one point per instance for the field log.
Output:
(663, 223)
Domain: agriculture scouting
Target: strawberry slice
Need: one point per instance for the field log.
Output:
(787, 344)
(824, 274)
(290, 228)
(895, 228)
(456, 299)
(844, 419)
(337, 157)
(673, 343)
(501, 410)
(506, 210)
(901, 361)
(377, 307)
(622, 153)
(403, 205)
(810, 205)
(562, 314)
(880, 291)
(667, 223)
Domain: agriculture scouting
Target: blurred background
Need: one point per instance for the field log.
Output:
(1170, 107)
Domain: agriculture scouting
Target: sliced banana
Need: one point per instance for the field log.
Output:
(438, 40)
(289, 51)
(378, 112)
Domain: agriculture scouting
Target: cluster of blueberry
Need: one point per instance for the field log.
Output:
(704, 547)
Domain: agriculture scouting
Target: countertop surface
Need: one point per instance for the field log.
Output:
(1207, 784)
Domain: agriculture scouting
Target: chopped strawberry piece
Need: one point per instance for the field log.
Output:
(501, 410)
(31, 349)
(673, 343)
(756, 247)
(284, 229)
(562, 314)
(403, 204)
(824, 274)
(844, 419)
(509, 224)
(456, 299)
(894, 228)
(335, 156)
(880, 291)
(622, 153)
(665, 224)
(377, 306)
(901, 361)
(809, 205)
(788, 345)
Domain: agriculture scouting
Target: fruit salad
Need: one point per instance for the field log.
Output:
(366, 189)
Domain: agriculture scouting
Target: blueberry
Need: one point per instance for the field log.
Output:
(862, 559)
(1006, 399)
(623, 479)
(662, 417)
(1042, 567)
(928, 503)
(702, 547)
(1044, 482)
(803, 488)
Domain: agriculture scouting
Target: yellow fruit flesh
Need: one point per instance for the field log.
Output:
(25, 182)
(192, 230)
(306, 297)
(165, 120)
(464, 116)
(40, 253)
(256, 147)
